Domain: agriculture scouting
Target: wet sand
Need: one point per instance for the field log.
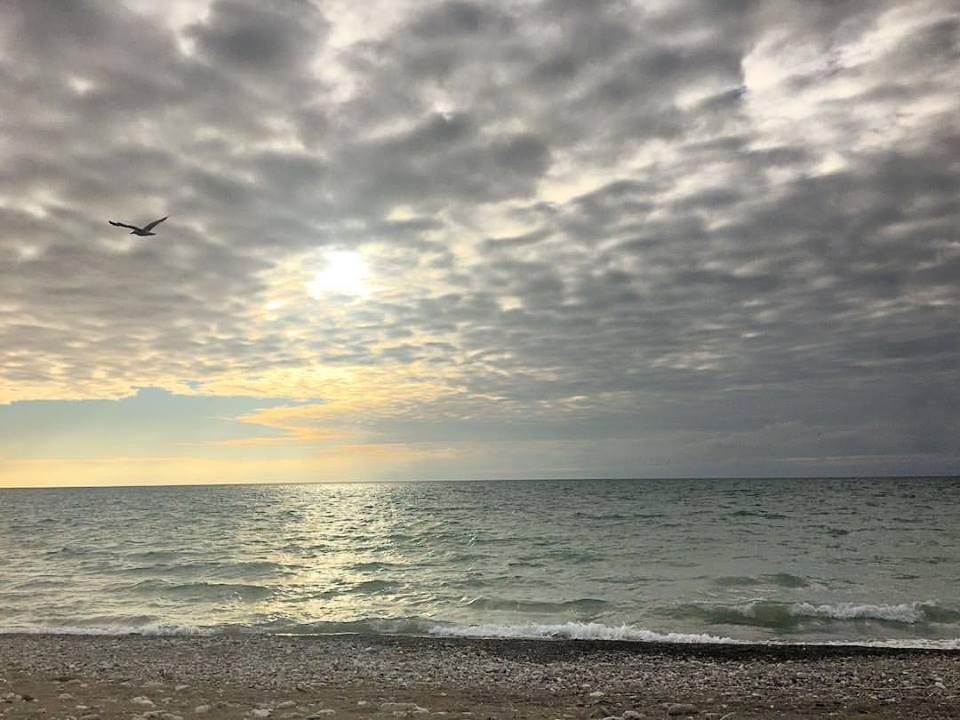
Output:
(51, 677)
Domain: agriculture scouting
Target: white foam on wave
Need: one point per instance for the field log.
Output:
(909, 613)
(597, 631)
(913, 644)
(574, 631)
(564, 631)
(157, 629)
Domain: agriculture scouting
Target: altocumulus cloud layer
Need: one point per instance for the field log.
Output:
(641, 238)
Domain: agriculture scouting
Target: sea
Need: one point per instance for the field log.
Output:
(871, 561)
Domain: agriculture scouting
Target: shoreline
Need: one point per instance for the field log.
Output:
(551, 647)
(293, 677)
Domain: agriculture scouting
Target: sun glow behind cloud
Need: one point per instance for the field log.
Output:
(345, 272)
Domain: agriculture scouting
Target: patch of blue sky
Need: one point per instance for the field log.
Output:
(153, 421)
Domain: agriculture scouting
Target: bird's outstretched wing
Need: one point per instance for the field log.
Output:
(151, 226)
(116, 224)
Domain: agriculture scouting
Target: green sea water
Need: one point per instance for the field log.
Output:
(798, 560)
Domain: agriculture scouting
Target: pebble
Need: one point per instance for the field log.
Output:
(402, 709)
(675, 709)
(797, 684)
(286, 704)
(261, 712)
(325, 712)
(181, 687)
(142, 700)
(201, 709)
(65, 696)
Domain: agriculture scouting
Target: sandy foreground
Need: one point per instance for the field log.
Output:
(51, 677)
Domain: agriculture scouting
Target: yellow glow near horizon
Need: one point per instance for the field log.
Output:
(344, 272)
(348, 463)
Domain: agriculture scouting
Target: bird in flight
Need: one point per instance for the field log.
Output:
(141, 231)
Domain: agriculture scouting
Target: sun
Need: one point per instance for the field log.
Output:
(344, 273)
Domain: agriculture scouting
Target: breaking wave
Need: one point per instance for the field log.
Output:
(788, 616)
(574, 631)
(417, 627)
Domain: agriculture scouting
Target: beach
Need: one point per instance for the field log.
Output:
(101, 677)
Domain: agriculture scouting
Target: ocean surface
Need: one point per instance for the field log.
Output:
(787, 561)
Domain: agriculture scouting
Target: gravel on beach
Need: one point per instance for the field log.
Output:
(132, 677)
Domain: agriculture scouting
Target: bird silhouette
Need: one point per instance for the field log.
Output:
(141, 231)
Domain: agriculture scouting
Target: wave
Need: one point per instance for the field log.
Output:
(69, 552)
(753, 614)
(373, 587)
(38, 584)
(255, 570)
(909, 613)
(573, 631)
(765, 514)
(112, 628)
(420, 627)
(373, 565)
(780, 579)
(199, 590)
(381, 626)
(535, 606)
(156, 556)
(789, 616)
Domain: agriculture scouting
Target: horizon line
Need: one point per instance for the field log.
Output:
(926, 476)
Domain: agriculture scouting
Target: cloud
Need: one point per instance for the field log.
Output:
(271, 37)
(662, 230)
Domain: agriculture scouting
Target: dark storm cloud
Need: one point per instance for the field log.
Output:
(731, 227)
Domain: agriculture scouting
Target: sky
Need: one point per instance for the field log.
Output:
(413, 240)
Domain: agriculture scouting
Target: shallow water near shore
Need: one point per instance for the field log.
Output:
(787, 561)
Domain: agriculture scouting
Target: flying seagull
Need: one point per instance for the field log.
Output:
(142, 232)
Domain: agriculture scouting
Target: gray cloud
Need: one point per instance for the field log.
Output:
(268, 38)
(716, 237)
